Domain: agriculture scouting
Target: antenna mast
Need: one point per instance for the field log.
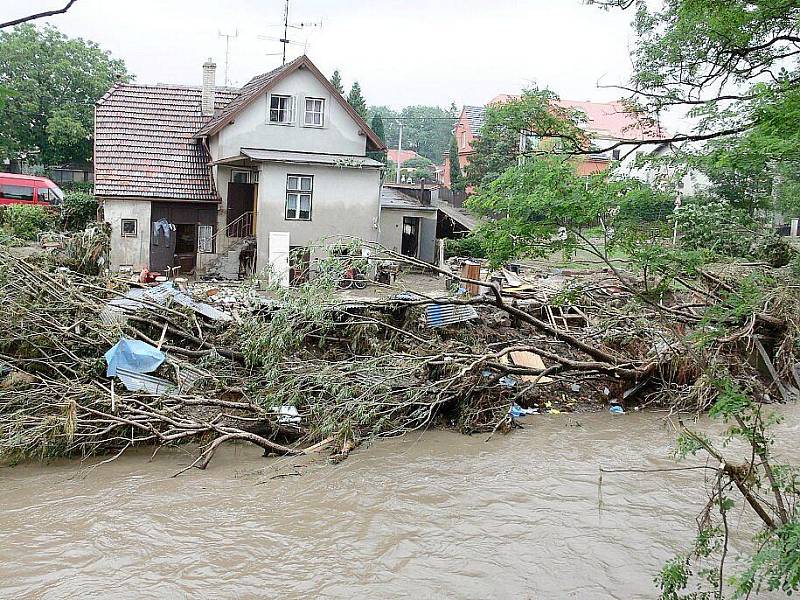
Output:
(228, 37)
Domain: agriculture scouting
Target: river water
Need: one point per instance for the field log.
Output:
(436, 515)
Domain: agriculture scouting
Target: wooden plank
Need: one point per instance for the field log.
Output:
(529, 360)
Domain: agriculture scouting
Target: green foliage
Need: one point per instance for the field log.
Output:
(26, 221)
(713, 224)
(78, 211)
(470, 246)
(86, 187)
(356, 100)
(426, 129)
(776, 565)
(498, 147)
(336, 82)
(52, 83)
(377, 126)
(457, 181)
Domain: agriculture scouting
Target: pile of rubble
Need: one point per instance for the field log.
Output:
(97, 364)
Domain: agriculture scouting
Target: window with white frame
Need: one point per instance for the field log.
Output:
(299, 189)
(315, 109)
(129, 227)
(281, 109)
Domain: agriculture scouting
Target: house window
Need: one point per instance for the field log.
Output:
(205, 238)
(240, 176)
(130, 228)
(314, 112)
(616, 153)
(463, 139)
(281, 109)
(298, 197)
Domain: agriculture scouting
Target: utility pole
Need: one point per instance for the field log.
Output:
(228, 37)
(399, 153)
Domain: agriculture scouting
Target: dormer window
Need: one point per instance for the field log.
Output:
(315, 111)
(281, 109)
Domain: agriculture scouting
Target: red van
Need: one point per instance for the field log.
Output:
(29, 189)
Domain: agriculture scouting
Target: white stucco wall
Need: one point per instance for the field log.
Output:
(344, 202)
(128, 251)
(391, 232)
(339, 135)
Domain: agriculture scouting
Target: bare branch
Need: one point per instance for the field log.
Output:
(41, 15)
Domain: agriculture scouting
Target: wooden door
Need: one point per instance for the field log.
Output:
(240, 201)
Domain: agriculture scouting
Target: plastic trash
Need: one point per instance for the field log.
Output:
(133, 356)
(616, 410)
(517, 411)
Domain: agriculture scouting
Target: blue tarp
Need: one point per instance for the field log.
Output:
(133, 355)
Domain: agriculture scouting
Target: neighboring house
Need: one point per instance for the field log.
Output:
(606, 123)
(409, 217)
(466, 130)
(203, 176)
(400, 156)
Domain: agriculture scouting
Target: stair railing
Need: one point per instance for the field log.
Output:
(240, 227)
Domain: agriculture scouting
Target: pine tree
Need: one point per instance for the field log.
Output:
(377, 127)
(356, 100)
(336, 82)
(456, 176)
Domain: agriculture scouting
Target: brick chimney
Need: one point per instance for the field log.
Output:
(209, 83)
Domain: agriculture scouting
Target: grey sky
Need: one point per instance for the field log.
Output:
(401, 51)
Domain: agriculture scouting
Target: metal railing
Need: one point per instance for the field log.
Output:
(240, 227)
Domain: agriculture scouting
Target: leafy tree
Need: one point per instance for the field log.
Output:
(456, 176)
(336, 82)
(52, 82)
(498, 147)
(377, 127)
(356, 100)
(426, 129)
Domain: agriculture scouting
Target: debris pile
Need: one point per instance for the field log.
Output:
(95, 364)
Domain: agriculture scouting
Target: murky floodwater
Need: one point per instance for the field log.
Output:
(437, 515)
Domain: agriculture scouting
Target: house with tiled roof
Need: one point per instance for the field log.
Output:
(203, 177)
(606, 123)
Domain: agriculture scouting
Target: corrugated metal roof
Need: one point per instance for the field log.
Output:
(394, 198)
(441, 315)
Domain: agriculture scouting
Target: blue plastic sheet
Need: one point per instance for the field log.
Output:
(133, 355)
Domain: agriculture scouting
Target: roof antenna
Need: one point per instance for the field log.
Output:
(228, 37)
(285, 41)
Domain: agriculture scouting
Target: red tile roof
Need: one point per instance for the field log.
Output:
(144, 145)
(605, 119)
(404, 155)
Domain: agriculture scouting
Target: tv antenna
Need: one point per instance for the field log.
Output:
(286, 27)
(228, 37)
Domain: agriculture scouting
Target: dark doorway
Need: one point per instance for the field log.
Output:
(162, 245)
(410, 242)
(185, 246)
(241, 197)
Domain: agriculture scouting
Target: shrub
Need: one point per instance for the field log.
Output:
(714, 225)
(26, 221)
(86, 187)
(469, 247)
(78, 211)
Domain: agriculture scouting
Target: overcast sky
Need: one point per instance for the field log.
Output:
(401, 51)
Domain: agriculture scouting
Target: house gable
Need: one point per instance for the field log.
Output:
(252, 101)
(338, 134)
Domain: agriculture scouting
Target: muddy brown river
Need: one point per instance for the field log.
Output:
(436, 515)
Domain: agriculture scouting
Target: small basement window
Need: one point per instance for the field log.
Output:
(281, 109)
(130, 228)
(299, 189)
